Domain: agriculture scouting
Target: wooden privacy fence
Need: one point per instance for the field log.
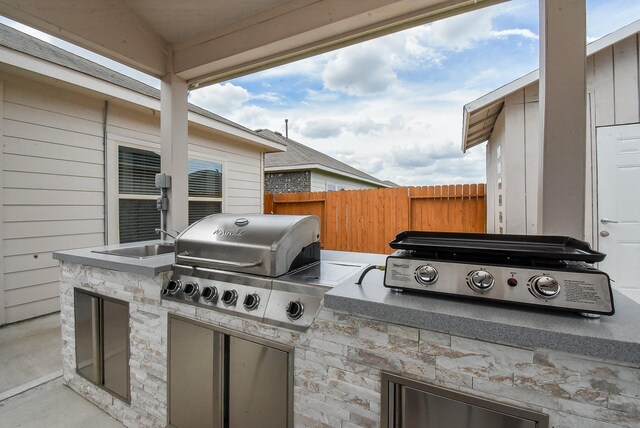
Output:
(366, 220)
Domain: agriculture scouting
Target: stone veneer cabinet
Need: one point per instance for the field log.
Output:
(339, 360)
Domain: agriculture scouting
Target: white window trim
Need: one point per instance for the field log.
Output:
(112, 210)
(208, 158)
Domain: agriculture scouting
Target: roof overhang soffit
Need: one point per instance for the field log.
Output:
(134, 33)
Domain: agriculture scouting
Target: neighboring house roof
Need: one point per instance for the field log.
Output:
(479, 116)
(29, 45)
(300, 157)
(390, 183)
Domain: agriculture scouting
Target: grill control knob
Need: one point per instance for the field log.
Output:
(426, 275)
(544, 287)
(294, 310)
(229, 297)
(251, 301)
(174, 286)
(191, 290)
(209, 294)
(481, 280)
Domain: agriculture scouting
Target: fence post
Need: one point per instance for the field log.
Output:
(269, 203)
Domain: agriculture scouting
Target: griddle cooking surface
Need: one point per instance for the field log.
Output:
(532, 246)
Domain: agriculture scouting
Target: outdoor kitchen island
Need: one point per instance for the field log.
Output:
(580, 372)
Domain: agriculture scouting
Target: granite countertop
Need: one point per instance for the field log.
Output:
(609, 337)
(150, 266)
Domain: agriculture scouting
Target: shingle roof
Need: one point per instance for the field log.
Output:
(21, 42)
(299, 155)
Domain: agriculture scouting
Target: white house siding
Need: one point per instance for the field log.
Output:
(612, 99)
(52, 179)
(320, 179)
(52, 189)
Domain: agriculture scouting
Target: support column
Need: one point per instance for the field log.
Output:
(174, 148)
(562, 117)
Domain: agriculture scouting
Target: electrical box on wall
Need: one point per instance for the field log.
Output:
(163, 181)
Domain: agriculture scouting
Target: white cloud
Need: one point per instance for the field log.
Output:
(359, 70)
(221, 99)
(323, 128)
(366, 126)
(433, 42)
(520, 32)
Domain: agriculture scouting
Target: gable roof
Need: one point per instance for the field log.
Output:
(479, 116)
(23, 43)
(300, 157)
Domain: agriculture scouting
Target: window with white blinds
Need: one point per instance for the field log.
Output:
(205, 189)
(138, 215)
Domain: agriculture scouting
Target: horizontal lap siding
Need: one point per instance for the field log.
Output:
(52, 189)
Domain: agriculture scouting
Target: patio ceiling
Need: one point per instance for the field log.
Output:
(208, 41)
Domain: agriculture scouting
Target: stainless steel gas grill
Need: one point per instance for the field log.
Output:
(554, 272)
(265, 267)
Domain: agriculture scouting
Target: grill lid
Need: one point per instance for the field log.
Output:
(269, 245)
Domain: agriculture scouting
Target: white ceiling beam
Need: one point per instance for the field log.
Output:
(107, 27)
(301, 29)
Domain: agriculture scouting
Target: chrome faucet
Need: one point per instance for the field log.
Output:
(164, 234)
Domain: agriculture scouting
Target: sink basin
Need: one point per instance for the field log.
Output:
(141, 251)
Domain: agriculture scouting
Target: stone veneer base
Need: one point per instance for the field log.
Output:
(338, 362)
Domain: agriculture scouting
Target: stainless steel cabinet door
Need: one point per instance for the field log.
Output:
(194, 376)
(115, 343)
(87, 318)
(422, 409)
(258, 392)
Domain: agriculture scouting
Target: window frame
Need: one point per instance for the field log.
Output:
(206, 158)
(115, 142)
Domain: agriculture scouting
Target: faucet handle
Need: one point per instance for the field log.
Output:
(167, 233)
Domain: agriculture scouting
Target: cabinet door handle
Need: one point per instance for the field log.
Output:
(607, 221)
(96, 348)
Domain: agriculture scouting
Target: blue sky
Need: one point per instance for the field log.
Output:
(392, 107)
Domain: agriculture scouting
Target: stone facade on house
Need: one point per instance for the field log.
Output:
(287, 182)
(339, 360)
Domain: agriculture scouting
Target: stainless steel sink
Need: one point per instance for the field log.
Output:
(141, 251)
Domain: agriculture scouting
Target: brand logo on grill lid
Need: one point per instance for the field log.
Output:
(228, 232)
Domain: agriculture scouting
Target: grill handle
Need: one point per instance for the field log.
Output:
(217, 263)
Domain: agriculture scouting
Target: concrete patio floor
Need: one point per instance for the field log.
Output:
(31, 389)
(29, 350)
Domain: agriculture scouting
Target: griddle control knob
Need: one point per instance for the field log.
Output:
(294, 310)
(481, 280)
(229, 297)
(544, 287)
(426, 275)
(251, 301)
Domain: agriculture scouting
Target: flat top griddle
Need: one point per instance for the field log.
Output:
(555, 248)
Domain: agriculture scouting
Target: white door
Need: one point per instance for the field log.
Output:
(619, 205)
